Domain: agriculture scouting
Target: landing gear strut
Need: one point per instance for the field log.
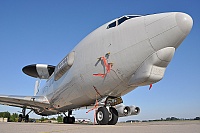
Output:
(68, 119)
(24, 116)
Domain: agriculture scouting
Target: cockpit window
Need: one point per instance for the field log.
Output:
(113, 24)
(134, 16)
(121, 20)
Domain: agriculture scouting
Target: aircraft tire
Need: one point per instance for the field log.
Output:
(65, 120)
(20, 118)
(69, 120)
(73, 119)
(102, 116)
(26, 118)
(114, 116)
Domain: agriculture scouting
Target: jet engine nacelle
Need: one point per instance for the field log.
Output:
(127, 110)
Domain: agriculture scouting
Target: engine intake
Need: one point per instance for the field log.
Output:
(124, 110)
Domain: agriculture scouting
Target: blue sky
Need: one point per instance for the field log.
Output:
(44, 31)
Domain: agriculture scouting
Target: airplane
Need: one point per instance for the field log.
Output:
(113, 60)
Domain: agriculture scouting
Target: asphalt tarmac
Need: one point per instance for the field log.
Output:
(146, 127)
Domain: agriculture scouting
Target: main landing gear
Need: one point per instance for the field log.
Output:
(68, 119)
(24, 117)
(106, 116)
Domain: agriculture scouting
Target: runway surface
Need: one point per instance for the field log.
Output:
(147, 127)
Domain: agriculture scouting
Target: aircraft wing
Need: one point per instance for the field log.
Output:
(29, 102)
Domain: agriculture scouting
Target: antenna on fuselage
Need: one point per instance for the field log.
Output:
(37, 85)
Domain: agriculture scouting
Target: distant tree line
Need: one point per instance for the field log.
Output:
(11, 117)
(167, 119)
(174, 118)
(14, 117)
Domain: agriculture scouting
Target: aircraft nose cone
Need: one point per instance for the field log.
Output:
(184, 22)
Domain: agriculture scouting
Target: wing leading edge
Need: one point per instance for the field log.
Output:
(30, 102)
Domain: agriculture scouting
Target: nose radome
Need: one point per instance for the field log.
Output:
(184, 22)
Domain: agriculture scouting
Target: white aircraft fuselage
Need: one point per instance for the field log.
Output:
(115, 59)
(150, 39)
